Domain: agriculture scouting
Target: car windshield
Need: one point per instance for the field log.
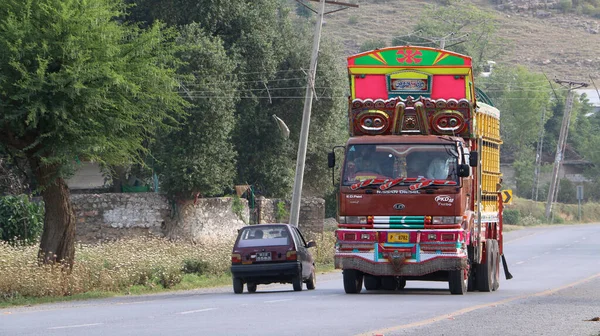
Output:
(392, 161)
(263, 236)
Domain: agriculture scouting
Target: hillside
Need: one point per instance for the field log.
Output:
(562, 46)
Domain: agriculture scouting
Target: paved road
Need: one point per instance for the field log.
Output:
(556, 287)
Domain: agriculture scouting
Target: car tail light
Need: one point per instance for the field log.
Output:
(427, 220)
(236, 258)
(291, 255)
(349, 236)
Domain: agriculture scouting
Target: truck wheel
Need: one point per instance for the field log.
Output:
(372, 282)
(457, 281)
(496, 275)
(353, 280)
(485, 270)
(238, 285)
(389, 283)
(311, 283)
(401, 284)
(297, 283)
(251, 287)
(472, 282)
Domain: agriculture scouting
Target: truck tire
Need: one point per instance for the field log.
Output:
(389, 283)
(251, 287)
(457, 282)
(471, 285)
(353, 281)
(238, 285)
(496, 275)
(485, 270)
(401, 284)
(372, 282)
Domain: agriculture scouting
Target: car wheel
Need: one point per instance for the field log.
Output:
(353, 281)
(238, 285)
(311, 283)
(251, 287)
(297, 283)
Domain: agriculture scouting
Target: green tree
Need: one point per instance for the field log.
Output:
(522, 96)
(466, 29)
(199, 158)
(78, 83)
(272, 51)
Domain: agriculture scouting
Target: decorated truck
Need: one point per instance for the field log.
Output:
(419, 190)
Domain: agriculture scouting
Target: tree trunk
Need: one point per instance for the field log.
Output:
(58, 239)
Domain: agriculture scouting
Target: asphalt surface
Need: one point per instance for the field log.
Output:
(555, 291)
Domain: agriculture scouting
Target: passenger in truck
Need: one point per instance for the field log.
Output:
(438, 169)
(415, 165)
(366, 161)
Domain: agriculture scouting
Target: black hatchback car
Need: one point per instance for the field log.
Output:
(271, 253)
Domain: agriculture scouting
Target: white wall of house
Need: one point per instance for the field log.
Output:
(87, 176)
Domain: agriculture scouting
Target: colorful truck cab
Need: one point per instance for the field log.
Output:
(419, 186)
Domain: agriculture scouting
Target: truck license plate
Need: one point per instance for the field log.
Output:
(398, 237)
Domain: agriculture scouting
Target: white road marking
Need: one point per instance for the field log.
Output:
(535, 257)
(75, 326)
(546, 252)
(282, 300)
(558, 249)
(520, 262)
(196, 311)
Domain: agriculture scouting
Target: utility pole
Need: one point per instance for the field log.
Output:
(562, 140)
(538, 158)
(310, 86)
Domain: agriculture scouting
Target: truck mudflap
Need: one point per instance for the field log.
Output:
(398, 266)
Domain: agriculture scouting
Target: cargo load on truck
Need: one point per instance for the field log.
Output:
(419, 186)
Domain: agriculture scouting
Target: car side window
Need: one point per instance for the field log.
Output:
(299, 237)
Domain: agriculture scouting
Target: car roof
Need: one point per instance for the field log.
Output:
(272, 225)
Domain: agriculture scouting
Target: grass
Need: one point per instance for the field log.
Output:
(153, 265)
(127, 267)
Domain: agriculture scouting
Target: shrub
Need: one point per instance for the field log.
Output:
(195, 266)
(530, 221)
(21, 219)
(511, 216)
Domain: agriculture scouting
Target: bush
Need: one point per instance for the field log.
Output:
(195, 266)
(511, 216)
(21, 219)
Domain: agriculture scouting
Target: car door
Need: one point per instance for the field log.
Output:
(303, 254)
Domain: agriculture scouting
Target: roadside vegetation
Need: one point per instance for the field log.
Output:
(136, 266)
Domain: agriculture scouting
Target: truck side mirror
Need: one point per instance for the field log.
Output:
(474, 159)
(464, 170)
(331, 159)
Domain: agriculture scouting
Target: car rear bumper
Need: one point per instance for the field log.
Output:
(275, 270)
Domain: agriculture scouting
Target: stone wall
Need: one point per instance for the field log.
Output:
(214, 217)
(113, 216)
(110, 216)
(312, 212)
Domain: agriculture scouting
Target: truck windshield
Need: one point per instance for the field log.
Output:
(392, 161)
